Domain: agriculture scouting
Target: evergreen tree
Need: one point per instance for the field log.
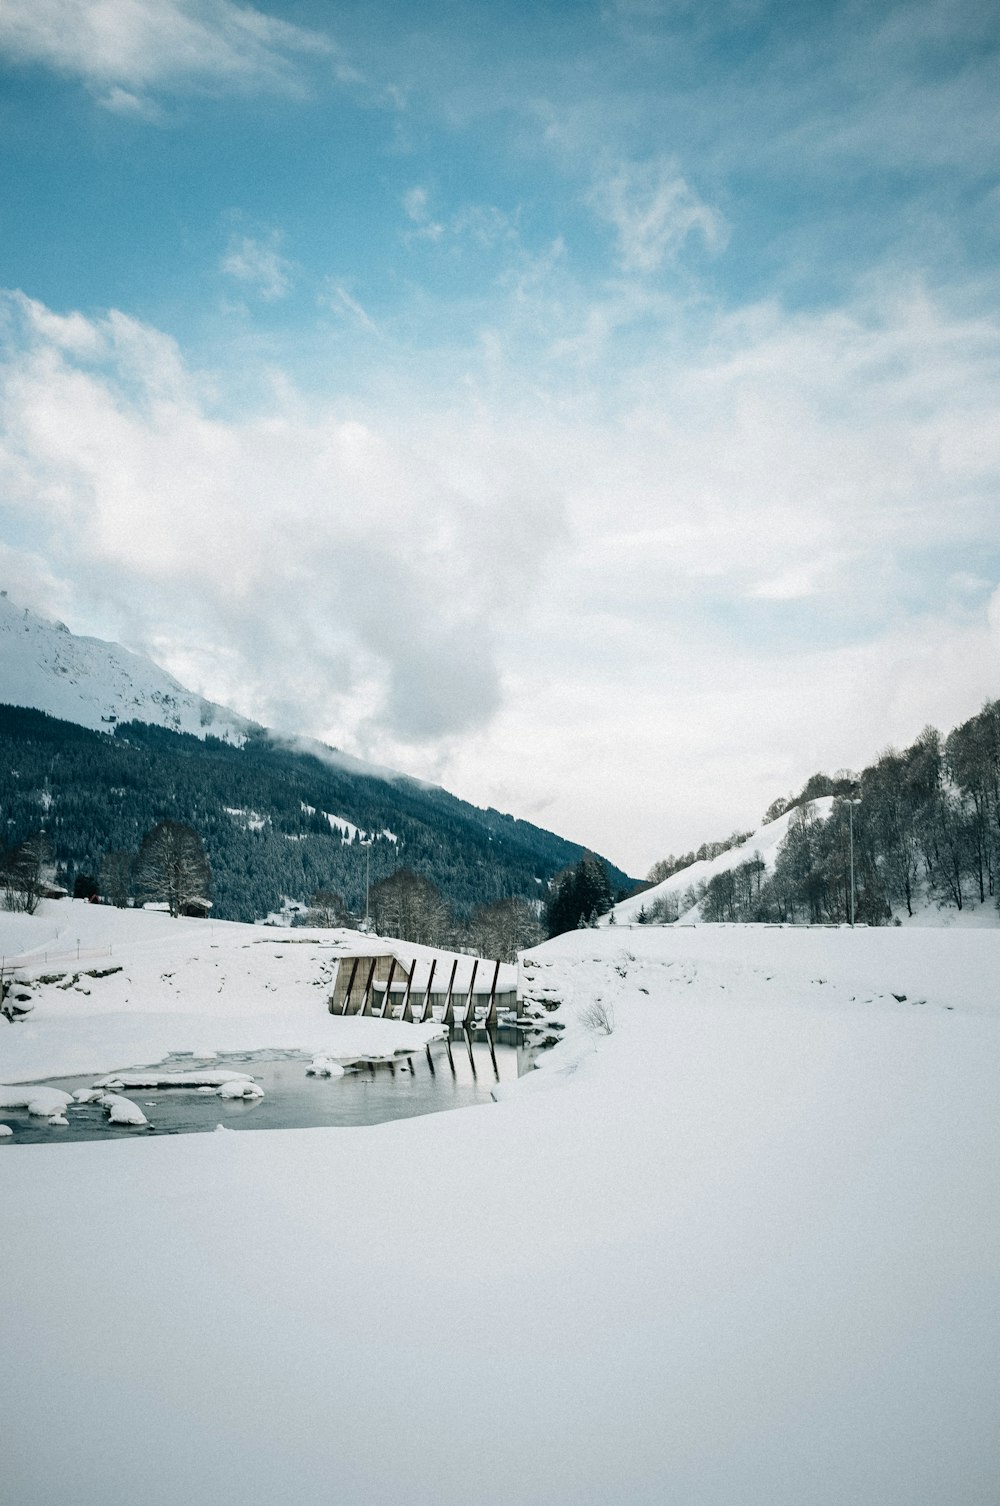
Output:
(576, 894)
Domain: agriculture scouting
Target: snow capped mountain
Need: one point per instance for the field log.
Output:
(96, 684)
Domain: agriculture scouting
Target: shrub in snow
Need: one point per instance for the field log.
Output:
(598, 1017)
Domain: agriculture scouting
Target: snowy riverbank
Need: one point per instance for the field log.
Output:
(112, 989)
(744, 1250)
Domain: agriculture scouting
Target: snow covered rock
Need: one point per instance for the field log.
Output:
(39, 1100)
(214, 1078)
(243, 1087)
(324, 1066)
(122, 1110)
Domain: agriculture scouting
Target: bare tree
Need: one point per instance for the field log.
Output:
(409, 906)
(115, 877)
(503, 929)
(598, 1017)
(172, 866)
(25, 869)
(327, 908)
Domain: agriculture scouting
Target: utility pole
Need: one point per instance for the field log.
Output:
(368, 874)
(850, 810)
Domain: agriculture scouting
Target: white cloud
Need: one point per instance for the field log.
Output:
(646, 608)
(416, 205)
(123, 49)
(259, 264)
(993, 616)
(338, 570)
(121, 101)
(654, 212)
(340, 302)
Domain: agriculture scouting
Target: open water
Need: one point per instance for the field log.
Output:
(449, 1074)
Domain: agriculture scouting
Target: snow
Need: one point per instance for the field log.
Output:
(5, 1131)
(201, 1079)
(763, 843)
(241, 1087)
(97, 684)
(122, 1110)
(161, 986)
(41, 1101)
(250, 819)
(347, 829)
(743, 1249)
(324, 1066)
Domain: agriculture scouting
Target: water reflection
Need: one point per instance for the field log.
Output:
(452, 1073)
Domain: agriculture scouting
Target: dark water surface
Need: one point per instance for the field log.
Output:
(449, 1074)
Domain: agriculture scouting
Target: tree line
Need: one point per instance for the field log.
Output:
(170, 867)
(261, 812)
(926, 828)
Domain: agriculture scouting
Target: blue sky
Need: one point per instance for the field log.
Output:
(516, 392)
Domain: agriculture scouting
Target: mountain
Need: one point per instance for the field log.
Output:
(97, 684)
(97, 745)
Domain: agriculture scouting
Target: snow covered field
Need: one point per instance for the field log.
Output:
(112, 989)
(743, 1251)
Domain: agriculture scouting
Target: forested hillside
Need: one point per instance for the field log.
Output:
(263, 811)
(926, 833)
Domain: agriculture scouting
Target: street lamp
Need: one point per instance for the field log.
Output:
(850, 812)
(368, 875)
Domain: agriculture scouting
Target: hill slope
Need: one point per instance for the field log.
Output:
(674, 897)
(97, 744)
(276, 821)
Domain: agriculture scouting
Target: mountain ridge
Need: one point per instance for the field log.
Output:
(98, 744)
(98, 684)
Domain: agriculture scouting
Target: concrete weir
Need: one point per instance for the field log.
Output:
(398, 981)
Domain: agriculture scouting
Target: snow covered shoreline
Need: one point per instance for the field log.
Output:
(743, 1249)
(112, 990)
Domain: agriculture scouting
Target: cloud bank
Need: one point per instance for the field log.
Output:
(125, 49)
(749, 564)
(336, 571)
(592, 409)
